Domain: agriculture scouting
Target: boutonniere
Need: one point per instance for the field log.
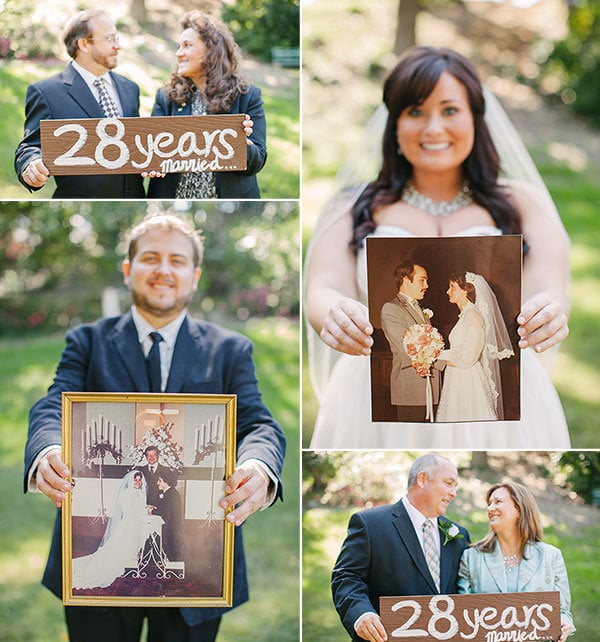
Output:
(450, 531)
(162, 495)
(427, 313)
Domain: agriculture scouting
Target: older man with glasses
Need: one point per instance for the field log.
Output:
(87, 88)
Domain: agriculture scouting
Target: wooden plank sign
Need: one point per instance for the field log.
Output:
(482, 617)
(135, 145)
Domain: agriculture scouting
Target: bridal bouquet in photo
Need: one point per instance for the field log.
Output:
(423, 344)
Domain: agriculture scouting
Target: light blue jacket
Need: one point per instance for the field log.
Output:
(543, 570)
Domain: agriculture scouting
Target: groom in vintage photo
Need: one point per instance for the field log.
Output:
(407, 548)
(407, 388)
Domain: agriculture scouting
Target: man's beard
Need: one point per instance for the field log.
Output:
(104, 61)
(142, 303)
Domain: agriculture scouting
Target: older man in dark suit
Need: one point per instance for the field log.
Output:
(397, 550)
(158, 347)
(87, 88)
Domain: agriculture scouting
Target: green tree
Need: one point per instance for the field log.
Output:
(57, 257)
(572, 69)
(259, 25)
(583, 472)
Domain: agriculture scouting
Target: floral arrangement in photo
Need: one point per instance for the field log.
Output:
(169, 452)
(449, 530)
(423, 344)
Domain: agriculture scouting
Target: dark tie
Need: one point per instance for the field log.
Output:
(153, 363)
(106, 102)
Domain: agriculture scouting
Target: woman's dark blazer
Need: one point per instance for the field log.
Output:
(228, 184)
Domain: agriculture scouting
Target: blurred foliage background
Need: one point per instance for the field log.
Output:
(57, 259)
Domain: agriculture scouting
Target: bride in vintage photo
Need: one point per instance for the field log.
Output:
(122, 541)
(472, 389)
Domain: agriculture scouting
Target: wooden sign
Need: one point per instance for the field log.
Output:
(482, 617)
(135, 145)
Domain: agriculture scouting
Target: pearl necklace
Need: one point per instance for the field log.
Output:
(413, 197)
(511, 561)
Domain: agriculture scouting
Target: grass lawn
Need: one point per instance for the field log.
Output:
(30, 613)
(324, 531)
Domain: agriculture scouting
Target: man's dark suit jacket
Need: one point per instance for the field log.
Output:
(168, 506)
(66, 95)
(382, 556)
(228, 184)
(106, 356)
(151, 478)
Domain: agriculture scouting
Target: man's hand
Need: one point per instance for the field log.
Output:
(370, 628)
(53, 476)
(36, 174)
(247, 487)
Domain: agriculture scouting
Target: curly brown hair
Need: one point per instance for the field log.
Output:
(223, 86)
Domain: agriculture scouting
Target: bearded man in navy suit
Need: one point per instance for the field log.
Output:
(162, 272)
(92, 42)
(384, 553)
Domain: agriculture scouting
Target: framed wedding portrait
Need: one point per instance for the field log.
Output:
(143, 524)
(445, 335)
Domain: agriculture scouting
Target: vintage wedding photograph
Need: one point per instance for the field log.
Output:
(445, 342)
(143, 524)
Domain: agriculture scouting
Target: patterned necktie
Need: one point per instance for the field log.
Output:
(431, 553)
(106, 102)
(153, 363)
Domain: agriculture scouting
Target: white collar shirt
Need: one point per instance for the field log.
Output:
(109, 85)
(169, 334)
(418, 519)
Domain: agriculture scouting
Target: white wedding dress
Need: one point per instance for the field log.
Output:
(344, 419)
(126, 538)
(464, 395)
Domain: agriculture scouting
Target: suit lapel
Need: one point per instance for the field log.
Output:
(529, 567)
(416, 315)
(186, 354)
(447, 554)
(127, 346)
(404, 526)
(495, 565)
(81, 94)
(130, 108)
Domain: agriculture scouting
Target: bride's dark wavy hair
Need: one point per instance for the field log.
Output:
(223, 86)
(410, 83)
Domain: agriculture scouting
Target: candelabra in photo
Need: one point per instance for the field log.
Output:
(98, 439)
(210, 440)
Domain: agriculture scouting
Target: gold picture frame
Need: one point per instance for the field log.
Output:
(129, 536)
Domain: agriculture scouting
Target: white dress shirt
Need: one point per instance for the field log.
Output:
(109, 85)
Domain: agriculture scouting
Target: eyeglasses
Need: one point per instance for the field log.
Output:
(113, 40)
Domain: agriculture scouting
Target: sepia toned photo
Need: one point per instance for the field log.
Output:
(144, 523)
(445, 334)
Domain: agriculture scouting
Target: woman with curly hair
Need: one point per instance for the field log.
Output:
(205, 82)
